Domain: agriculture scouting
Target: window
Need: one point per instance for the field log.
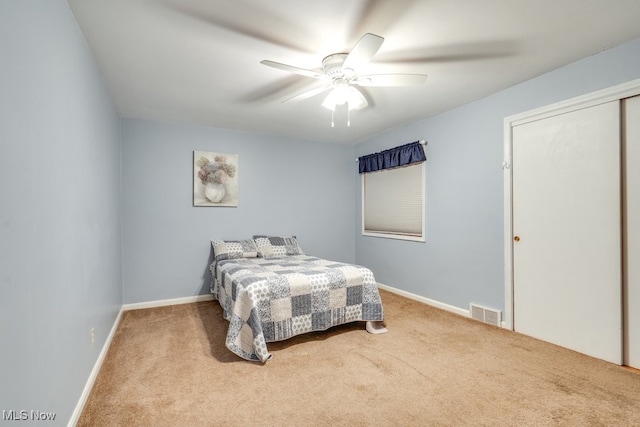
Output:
(393, 203)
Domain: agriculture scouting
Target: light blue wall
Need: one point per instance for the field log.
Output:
(285, 187)
(462, 260)
(60, 245)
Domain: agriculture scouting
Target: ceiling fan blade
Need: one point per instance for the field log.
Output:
(286, 86)
(225, 19)
(383, 15)
(391, 80)
(363, 51)
(455, 52)
(308, 93)
(296, 70)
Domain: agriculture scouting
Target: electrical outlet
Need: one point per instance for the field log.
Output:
(93, 336)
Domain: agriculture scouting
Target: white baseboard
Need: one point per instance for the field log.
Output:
(94, 373)
(103, 353)
(164, 302)
(428, 301)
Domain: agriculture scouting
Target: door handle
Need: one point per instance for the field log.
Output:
(516, 238)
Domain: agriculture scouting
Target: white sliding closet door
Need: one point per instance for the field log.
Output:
(566, 225)
(632, 243)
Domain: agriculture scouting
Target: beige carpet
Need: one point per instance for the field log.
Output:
(168, 366)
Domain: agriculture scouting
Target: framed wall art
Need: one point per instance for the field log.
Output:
(215, 179)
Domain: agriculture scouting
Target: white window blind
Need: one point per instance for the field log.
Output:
(393, 202)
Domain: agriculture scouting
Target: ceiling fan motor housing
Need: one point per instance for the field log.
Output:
(332, 66)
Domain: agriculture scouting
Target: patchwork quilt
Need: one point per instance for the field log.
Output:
(272, 299)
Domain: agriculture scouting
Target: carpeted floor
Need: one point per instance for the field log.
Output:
(168, 366)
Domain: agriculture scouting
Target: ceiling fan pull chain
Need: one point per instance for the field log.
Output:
(332, 123)
(348, 115)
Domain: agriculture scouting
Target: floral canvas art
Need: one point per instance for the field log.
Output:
(215, 179)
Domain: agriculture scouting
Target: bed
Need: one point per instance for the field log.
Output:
(269, 290)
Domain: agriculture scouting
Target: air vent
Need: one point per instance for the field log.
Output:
(486, 315)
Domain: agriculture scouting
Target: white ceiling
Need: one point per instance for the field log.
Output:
(198, 61)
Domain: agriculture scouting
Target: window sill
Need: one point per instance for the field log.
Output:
(395, 236)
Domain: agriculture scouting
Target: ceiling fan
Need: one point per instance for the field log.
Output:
(340, 72)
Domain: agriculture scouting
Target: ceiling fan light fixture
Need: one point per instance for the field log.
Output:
(345, 94)
(356, 99)
(341, 93)
(329, 102)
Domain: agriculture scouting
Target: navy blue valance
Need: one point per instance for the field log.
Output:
(392, 158)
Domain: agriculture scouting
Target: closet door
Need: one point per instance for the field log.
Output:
(632, 229)
(566, 226)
